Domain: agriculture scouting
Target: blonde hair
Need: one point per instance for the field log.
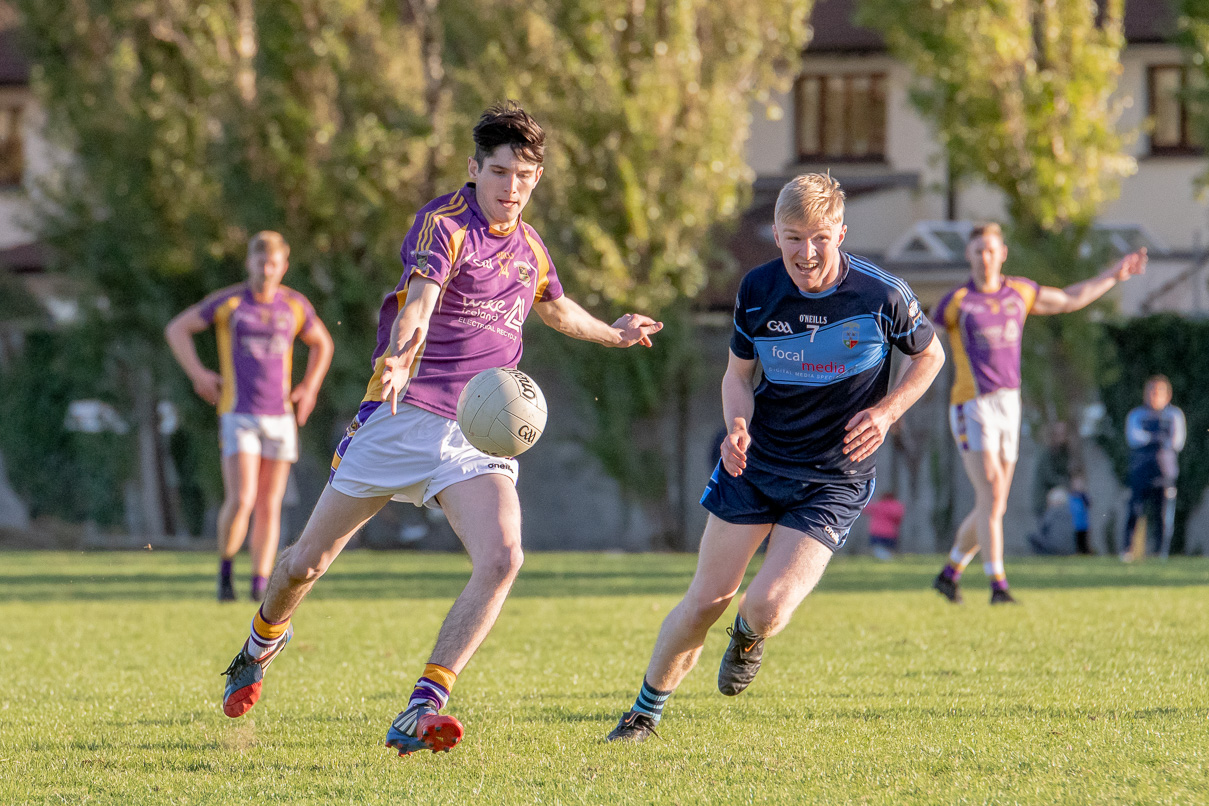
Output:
(812, 199)
(268, 242)
(984, 229)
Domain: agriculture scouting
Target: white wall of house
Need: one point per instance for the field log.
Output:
(1161, 196)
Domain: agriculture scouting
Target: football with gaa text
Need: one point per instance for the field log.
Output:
(502, 412)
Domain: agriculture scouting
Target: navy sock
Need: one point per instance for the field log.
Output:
(224, 570)
(651, 701)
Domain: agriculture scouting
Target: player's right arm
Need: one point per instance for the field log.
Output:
(407, 334)
(738, 404)
(179, 334)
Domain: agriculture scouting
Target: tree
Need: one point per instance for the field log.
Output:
(1023, 95)
(648, 105)
(194, 126)
(191, 127)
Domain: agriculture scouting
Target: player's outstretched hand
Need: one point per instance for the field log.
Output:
(867, 431)
(303, 398)
(1131, 264)
(208, 386)
(636, 329)
(734, 449)
(396, 370)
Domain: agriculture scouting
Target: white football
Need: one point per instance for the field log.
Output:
(502, 412)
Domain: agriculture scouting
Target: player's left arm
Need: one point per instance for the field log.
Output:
(868, 428)
(567, 317)
(1064, 300)
(320, 349)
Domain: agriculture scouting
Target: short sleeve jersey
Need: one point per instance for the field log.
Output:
(825, 357)
(985, 332)
(256, 346)
(490, 279)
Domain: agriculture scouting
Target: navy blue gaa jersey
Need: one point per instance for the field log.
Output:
(825, 357)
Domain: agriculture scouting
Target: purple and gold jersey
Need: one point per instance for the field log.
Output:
(984, 334)
(256, 346)
(490, 279)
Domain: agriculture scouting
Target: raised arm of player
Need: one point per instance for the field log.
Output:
(567, 317)
(1064, 300)
(320, 348)
(738, 404)
(407, 333)
(868, 428)
(179, 334)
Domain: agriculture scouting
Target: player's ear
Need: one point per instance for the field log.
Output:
(472, 168)
(776, 234)
(843, 232)
(537, 175)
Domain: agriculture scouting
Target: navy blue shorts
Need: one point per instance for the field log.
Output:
(824, 511)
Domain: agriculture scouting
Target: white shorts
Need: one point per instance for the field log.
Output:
(272, 436)
(990, 423)
(411, 456)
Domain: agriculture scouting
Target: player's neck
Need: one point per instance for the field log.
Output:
(988, 285)
(263, 291)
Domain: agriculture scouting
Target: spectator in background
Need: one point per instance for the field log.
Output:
(885, 520)
(1155, 433)
(1055, 533)
(1080, 513)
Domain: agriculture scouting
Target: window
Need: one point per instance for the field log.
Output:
(1173, 132)
(841, 117)
(12, 151)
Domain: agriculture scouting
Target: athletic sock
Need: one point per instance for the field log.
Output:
(996, 575)
(431, 691)
(266, 635)
(433, 687)
(224, 571)
(259, 584)
(651, 701)
(956, 565)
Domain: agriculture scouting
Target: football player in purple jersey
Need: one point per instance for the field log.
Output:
(985, 321)
(472, 272)
(259, 408)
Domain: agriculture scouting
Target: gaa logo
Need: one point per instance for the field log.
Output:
(528, 433)
(780, 327)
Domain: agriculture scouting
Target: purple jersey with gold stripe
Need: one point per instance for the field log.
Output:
(984, 335)
(256, 346)
(490, 280)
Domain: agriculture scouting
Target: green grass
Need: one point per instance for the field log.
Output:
(1093, 691)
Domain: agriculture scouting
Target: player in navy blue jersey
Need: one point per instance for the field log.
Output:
(797, 461)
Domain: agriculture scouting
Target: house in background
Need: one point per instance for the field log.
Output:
(849, 113)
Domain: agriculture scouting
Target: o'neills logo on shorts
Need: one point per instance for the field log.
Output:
(499, 466)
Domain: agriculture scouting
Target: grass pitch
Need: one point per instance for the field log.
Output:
(1093, 691)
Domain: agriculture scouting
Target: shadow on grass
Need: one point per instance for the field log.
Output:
(393, 576)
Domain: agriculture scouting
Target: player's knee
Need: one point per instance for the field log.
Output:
(705, 609)
(301, 569)
(503, 563)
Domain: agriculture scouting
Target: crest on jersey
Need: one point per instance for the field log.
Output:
(524, 272)
(422, 260)
(851, 334)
